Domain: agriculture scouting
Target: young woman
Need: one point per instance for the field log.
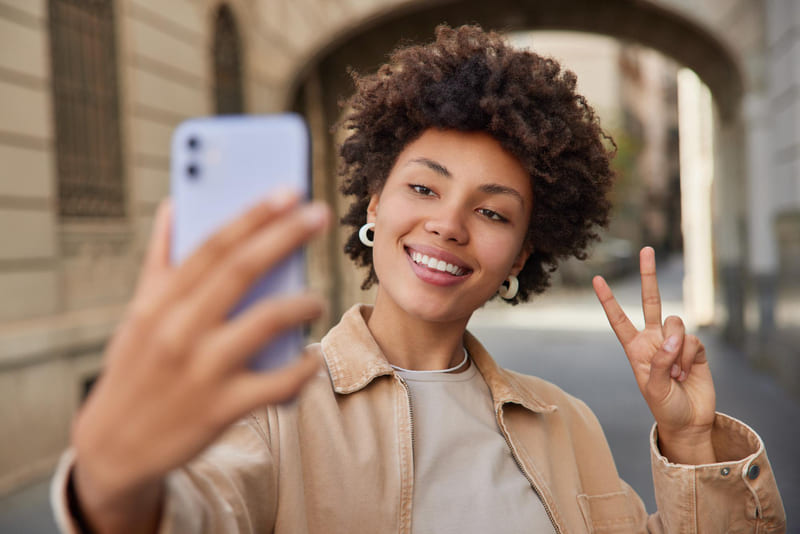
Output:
(474, 169)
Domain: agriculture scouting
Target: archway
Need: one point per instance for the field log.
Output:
(319, 85)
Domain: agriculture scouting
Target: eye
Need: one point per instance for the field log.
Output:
(493, 215)
(421, 189)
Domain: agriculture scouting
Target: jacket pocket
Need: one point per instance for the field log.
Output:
(608, 513)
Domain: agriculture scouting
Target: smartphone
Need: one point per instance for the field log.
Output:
(221, 166)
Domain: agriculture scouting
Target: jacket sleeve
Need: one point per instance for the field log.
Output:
(231, 487)
(736, 494)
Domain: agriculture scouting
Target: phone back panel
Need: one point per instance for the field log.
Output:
(220, 167)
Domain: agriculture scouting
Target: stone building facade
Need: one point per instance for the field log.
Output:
(83, 163)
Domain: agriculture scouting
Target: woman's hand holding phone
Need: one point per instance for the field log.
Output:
(176, 371)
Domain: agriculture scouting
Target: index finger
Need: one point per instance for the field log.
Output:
(620, 323)
(156, 258)
(228, 238)
(651, 298)
(227, 282)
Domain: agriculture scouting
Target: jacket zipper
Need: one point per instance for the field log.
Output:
(410, 411)
(526, 474)
(411, 426)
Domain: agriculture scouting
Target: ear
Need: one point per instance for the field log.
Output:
(521, 258)
(372, 207)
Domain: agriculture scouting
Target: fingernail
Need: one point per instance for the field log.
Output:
(676, 371)
(682, 377)
(282, 198)
(315, 214)
(671, 343)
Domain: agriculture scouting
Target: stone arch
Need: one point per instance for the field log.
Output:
(365, 45)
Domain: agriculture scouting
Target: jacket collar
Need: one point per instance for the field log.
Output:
(354, 359)
(352, 355)
(504, 386)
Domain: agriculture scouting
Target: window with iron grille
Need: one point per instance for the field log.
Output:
(86, 108)
(228, 94)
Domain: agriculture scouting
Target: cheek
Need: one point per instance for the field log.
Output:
(499, 253)
(394, 217)
(388, 230)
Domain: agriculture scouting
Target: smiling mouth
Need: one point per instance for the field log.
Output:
(436, 264)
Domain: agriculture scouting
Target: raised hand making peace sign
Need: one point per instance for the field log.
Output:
(670, 367)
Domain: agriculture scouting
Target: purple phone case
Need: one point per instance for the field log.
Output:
(232, 163)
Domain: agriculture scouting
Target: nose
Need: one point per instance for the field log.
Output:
(448, 224)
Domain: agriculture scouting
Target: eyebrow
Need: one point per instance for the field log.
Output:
(492, 189)
(438, 168)
(495, 189)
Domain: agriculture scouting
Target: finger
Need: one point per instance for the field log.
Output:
(156, 259)
(693, 352)
(147, 306)
(233, 344)
(651, 298)
(674, 334)
(213, 299)
(222, 243)
(620, 323)
(253, 389)
(666, 360)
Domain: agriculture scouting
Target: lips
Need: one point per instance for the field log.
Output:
(438, 261)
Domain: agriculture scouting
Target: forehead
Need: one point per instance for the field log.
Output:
(467, 155)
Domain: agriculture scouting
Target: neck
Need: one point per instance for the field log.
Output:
(414, 343)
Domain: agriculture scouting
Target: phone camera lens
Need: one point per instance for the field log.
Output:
(193, 171)
(193, 143)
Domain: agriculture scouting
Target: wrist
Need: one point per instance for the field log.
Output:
(688, 447)
(74, 506)
(96, 508)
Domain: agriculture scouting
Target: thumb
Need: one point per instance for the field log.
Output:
(660, 380)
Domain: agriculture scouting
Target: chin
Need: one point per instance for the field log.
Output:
(431, 311)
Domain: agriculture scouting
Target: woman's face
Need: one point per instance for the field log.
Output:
(450, 224)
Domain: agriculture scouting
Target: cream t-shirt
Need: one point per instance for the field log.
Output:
(465, 479)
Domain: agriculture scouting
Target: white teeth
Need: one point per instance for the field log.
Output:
(437, 264)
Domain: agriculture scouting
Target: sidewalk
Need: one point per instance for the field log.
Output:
(27, 511)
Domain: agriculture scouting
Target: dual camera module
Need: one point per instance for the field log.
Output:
(193, 168)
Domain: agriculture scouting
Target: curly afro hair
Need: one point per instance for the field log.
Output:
(471, 80)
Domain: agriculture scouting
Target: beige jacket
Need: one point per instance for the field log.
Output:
(339, 460)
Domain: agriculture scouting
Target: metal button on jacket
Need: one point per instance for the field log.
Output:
(753, 472)
(725, 471)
